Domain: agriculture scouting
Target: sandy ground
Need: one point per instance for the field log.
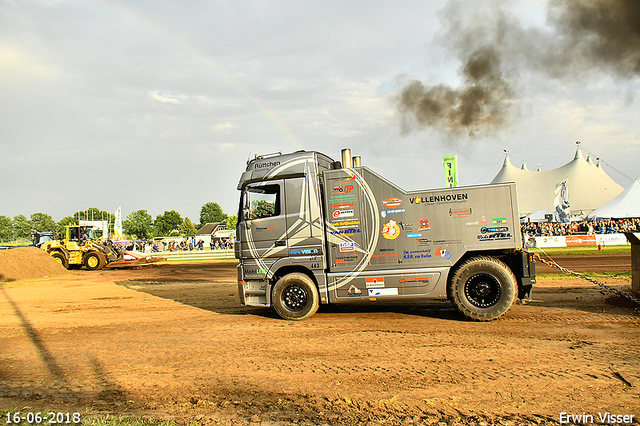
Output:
(172, 342)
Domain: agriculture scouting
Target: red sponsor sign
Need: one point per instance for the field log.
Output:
(342, 206)
(580, 240)
(377, 281)
(392, 202)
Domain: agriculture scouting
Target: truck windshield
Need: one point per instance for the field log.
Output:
(261, 202)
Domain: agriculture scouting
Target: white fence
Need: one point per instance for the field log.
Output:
(582, 240)
(195, 254)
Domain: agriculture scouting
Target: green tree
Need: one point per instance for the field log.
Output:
(21, 227)
(138, 224)
(42, 222)
(167, 223)
(187, 228)
(62, 223)
(6, 228)
(232, 222)
(262, 208)
(212, 213)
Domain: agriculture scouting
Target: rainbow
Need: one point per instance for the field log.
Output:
(137, 19)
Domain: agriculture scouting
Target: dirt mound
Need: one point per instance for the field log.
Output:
(27, 262)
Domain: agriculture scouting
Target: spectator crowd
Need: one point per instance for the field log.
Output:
(610, 226)
(189, 244)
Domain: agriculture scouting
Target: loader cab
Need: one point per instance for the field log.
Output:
(39, 238)
(78, 233)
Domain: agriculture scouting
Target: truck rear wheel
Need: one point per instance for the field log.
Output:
(295, 297)
(59, 257)
(483, 288)
(94, 260)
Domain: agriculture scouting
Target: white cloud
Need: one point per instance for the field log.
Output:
(164, 97)
(226, 127)
(18, 65)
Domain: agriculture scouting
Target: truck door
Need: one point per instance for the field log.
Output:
(262, 228)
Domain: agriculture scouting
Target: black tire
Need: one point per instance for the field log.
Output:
(295, 297)
(94, 260)
(59, 257)
(483, 288)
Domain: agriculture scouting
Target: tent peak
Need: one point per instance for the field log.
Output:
(507, 162)
(578, 152)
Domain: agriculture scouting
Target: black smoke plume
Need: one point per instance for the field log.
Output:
(600, 33)
(480, 103)
(583, 36)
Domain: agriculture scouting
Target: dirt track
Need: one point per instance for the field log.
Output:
(172, 342)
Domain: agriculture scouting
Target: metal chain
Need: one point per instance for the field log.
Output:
(553, 264)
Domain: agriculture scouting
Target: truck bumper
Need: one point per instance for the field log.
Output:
(253, 292)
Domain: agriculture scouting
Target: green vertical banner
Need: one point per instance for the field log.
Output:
(450, 164)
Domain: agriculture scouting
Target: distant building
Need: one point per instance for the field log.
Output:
(215, 231)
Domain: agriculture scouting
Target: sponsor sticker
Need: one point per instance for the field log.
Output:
(354, 290)
(460, 213)
(383, 292)
(294, 252)
(343, 213)
(442, 252)
(348, 258)
(384, 257)
(346, 223)
(342, 188)
(495, 236)
(414, 280)
(440, 199)
(424, 225)
(414, 235)
(345, 231)
(342, 206)
(348, 246)
(267, 165)
(376, 282)
(417, 254)
(342, 197)
(254, 271)
(391, 230)
(485, 230)
(499, 221)
(392, 202)
(384, 213)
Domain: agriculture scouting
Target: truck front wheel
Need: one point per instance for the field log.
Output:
(483, 288)
(295, 297)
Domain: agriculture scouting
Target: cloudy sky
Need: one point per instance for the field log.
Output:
(158, 104)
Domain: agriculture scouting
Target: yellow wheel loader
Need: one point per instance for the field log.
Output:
(78, 249)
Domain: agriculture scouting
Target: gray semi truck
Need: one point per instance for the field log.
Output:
(313, 231)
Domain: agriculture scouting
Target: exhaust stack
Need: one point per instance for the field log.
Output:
(357, 161)
(346, 158)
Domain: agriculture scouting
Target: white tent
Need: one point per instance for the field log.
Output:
(537, 216)
(588, 185)
(626, 204)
